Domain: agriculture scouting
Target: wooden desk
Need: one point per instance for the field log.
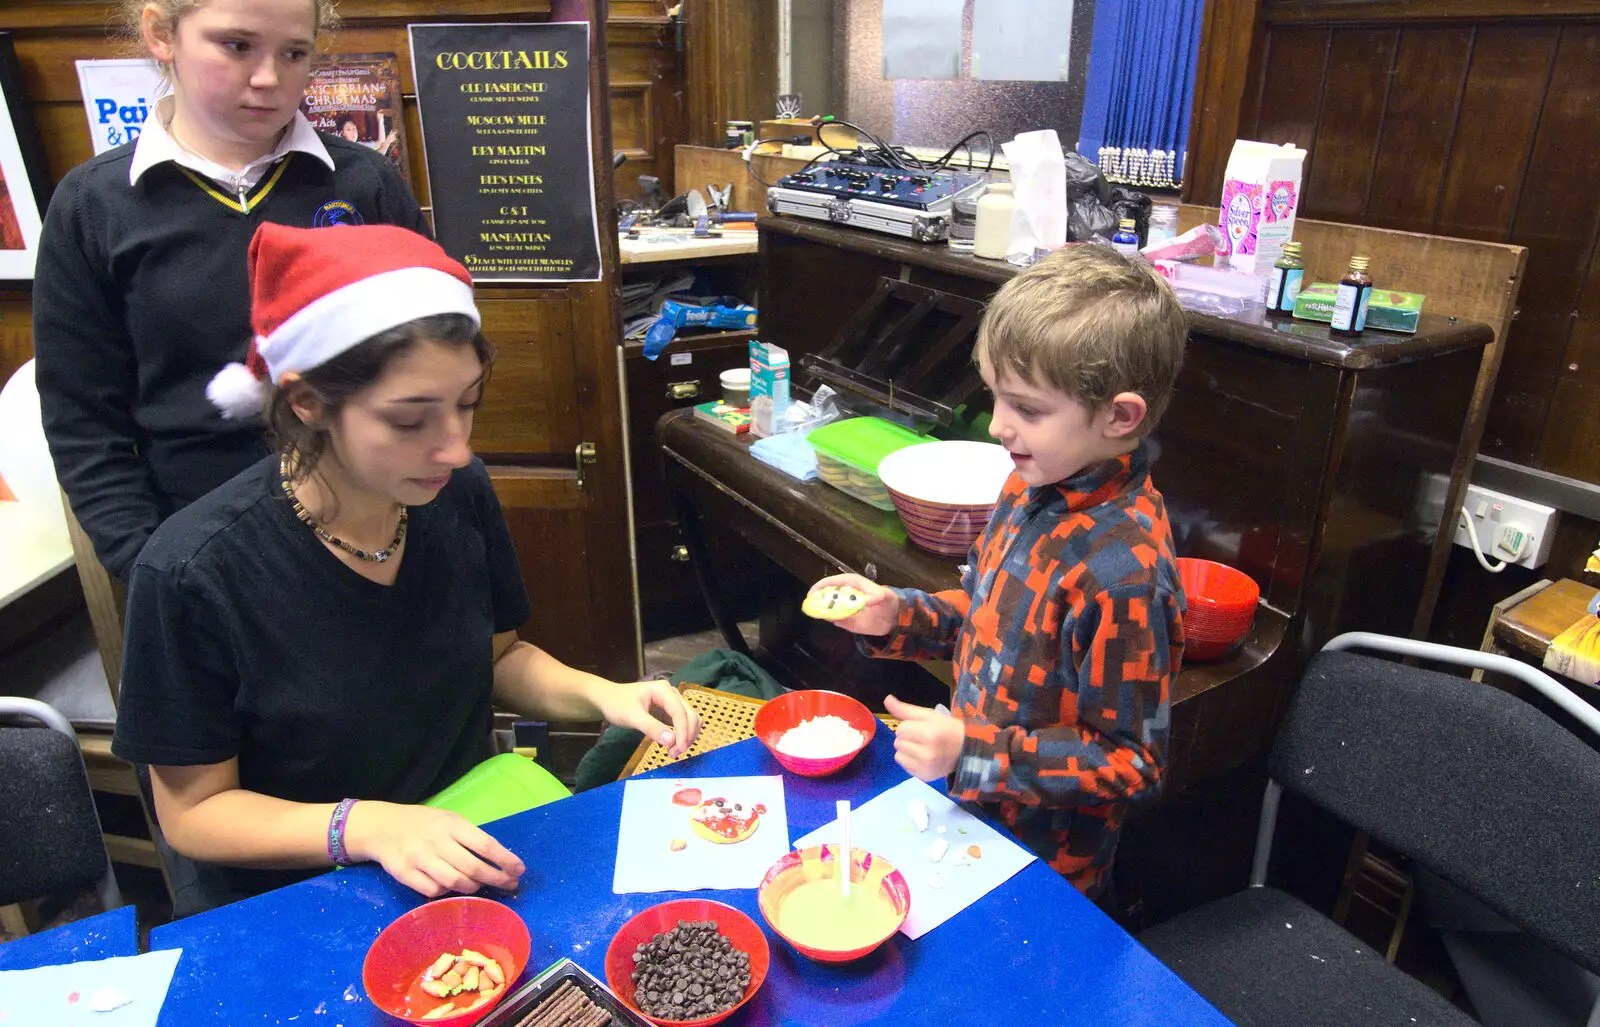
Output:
(811, 529)
(1530, 620)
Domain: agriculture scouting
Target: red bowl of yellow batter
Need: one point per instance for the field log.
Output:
(800, 900)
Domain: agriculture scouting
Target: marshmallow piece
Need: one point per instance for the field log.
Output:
(937, 850)
(917, 810)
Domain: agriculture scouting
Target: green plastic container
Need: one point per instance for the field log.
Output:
(498, 787)
(848, 454)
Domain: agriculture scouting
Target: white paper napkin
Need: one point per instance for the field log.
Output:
(126, 991)
(651, 822)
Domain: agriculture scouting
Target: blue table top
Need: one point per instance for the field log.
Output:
(114, 933)
(1034, 948)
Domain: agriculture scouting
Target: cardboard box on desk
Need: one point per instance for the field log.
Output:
(1260, 195)
(769, 389)
(1386, 309)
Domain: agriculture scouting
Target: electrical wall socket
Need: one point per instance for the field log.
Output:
(1491, 512)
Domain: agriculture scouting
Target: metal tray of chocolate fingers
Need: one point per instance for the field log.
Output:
(563, 995)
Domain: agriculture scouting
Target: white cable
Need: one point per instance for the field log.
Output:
(1477, 547)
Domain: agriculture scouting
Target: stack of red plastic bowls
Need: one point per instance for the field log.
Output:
(1222, 606)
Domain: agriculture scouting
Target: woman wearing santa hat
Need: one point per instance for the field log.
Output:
(313, 647)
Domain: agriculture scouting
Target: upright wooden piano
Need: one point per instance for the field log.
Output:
(1293, 454)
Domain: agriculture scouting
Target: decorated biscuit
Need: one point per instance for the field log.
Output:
(725, 822)
(833, 602)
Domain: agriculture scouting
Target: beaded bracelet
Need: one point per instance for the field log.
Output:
(336, 853)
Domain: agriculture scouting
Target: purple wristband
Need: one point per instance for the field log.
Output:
(336, 853)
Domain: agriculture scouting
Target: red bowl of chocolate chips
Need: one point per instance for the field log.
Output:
(722, 960)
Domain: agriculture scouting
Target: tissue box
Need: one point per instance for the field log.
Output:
(1386, 309)
(1260, 194)
(769, 389)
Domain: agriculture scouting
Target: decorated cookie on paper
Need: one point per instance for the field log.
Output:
(724, 821)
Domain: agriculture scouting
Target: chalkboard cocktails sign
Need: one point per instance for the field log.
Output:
(505, 129)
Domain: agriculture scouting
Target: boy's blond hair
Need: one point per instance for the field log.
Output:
(1088, 322)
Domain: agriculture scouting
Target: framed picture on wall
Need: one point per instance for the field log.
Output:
(23, 179)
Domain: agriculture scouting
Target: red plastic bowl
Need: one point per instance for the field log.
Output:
(737, 927)
(392, 972)
(1222, 601)
(792, 708)
(809, 864)
(1218, 588)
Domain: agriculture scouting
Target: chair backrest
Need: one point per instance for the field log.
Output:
(50, 841)
(1470, 781)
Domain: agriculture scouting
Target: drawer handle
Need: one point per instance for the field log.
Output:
(680, 554)
(683, 390)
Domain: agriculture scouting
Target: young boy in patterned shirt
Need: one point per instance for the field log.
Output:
(1067, 630)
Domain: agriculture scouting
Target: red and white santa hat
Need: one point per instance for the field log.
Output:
(317, 292)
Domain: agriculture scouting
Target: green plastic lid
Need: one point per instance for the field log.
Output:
(862, 442)
(498, 787)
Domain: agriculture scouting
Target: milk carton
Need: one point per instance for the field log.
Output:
(769, 389)
(1260, 194)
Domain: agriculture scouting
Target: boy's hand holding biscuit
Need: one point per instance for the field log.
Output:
(854, 603)
(927, 743)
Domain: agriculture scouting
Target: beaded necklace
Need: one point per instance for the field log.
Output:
(301, 512)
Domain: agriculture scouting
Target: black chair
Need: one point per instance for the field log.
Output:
(50, 841)
(1467, 781)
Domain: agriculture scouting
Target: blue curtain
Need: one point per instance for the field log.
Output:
(1140, 88)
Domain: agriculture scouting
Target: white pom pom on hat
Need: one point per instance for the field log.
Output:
(318, 292)
(236, 392)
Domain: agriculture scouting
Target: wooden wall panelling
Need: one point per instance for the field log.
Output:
(1499, 112)
(731, 64)
(597, 325)
(646, 83)
(1231, 48)
(1292, 11)
(1418, 127)
(1355, 90)
(1576, 451)
(529, 407)
(1294, 67)
(1556, 217)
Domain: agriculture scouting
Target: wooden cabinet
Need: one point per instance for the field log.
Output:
(687, 374)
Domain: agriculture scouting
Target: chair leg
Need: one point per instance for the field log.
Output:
(110, 894)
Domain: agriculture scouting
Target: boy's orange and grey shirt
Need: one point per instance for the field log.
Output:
(1066, 636)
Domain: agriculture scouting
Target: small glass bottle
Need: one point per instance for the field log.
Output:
(1126, 241)
(963, 223)
(1288, 274)
(1163, 224)
(1350, 306)
(992, 235)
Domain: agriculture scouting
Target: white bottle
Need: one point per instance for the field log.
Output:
(993, 234)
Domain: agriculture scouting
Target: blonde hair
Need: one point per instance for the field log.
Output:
(324, 18)
(1090, 323)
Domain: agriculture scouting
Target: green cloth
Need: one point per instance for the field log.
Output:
(722, 669)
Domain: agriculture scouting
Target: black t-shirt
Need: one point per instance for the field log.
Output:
(246, 637)
(141, 295)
